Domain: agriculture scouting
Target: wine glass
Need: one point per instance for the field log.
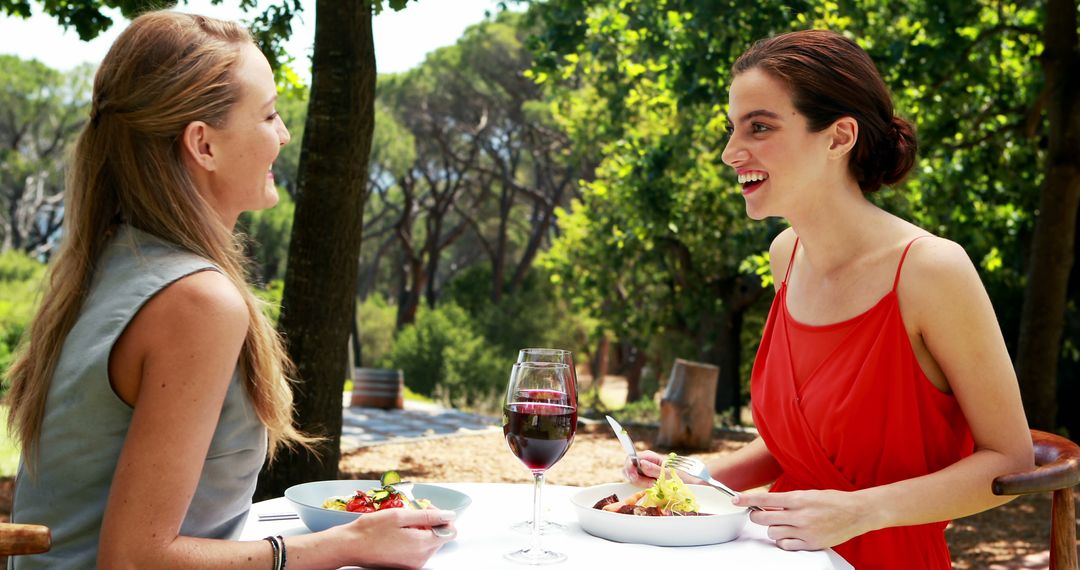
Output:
(547, 355)
(539, 421)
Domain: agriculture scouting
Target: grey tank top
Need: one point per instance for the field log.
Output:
(85, 421)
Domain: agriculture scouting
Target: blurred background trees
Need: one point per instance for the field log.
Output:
(554, 178)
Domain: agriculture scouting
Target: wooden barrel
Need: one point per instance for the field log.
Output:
(378, 388)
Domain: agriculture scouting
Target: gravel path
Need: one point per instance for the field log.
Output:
(1012, 537)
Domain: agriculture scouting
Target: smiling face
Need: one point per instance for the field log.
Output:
(779, 162)
(245, 146)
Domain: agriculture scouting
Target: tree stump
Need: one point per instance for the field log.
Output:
(686, 409)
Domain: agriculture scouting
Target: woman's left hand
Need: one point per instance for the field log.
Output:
(809, 520)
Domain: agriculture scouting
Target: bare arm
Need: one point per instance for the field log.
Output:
(957, 323)
(944, 301)
(175, 362)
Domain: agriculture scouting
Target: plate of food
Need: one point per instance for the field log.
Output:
(670, 513)
(323, 504)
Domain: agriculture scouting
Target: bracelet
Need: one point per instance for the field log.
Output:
(281, 543)
(277, 562)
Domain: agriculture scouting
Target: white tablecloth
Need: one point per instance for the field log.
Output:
(484, 535)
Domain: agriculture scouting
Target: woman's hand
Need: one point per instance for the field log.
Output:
(809, 520)
(649, 464)
(395, 538)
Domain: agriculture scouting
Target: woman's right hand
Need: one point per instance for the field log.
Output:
(649, 464)
(396, 538)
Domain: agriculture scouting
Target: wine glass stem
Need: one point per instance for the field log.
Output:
(536, 522)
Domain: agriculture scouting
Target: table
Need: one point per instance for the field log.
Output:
(484, 535)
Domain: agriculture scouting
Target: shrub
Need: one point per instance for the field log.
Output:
(270, 295)
(531, 316)
(377, 320)
(20, 281)
(442, 355)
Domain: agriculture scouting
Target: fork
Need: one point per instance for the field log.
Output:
(696, 468)
(405, 489)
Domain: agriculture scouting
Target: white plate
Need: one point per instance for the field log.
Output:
(724, 523)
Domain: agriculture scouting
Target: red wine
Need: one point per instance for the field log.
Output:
(539, 433)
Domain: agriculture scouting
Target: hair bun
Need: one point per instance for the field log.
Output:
(904, 147)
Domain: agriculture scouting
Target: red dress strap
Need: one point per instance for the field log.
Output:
(791, 261)
(899, 266)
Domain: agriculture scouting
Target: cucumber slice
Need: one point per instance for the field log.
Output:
(389, 478)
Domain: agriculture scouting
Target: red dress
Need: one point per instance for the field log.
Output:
(846, 406)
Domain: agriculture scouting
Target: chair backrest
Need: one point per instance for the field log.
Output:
(17, 539)
(1057, 470)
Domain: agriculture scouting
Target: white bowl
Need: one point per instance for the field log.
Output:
(307, 499)
(724, 523)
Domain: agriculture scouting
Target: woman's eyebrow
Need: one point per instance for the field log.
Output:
(757, 113)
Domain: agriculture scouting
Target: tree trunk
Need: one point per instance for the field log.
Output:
(686, 418)
(600, 360)
(411, 296)
(354, 337)
(634, 366)
(320, 282)
(1042, 317)
(729, 358)
(738, 296)
(1069, 369)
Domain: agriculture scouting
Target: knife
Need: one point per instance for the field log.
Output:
(624, 439)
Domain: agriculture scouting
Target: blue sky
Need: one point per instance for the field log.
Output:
(401, 38)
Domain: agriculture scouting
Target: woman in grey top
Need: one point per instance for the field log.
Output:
(151, 387)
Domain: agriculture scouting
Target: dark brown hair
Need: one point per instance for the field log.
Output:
(831, 77)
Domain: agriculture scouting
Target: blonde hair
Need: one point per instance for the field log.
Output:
(164, 71)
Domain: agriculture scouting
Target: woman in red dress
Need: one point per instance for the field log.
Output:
(884, 395)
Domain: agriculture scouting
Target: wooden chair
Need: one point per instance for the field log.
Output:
(17, 539)
(1057, 470)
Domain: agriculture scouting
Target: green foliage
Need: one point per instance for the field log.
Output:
(377, 320)
(20, 281)
(530, 316)
(292, 106)
(442, 356)
(9, 450)
(269, 232)
(270, 295)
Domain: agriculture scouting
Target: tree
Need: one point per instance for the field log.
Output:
(488, 166)
(1052, 248)
(42, 110)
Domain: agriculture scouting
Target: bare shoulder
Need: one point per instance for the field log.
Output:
(188, 322)
(938, 271)
(207, 300)
(780, 254)
(937, 261)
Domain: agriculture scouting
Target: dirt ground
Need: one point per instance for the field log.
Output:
(1012, 537)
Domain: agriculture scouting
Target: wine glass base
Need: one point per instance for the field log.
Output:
(537, 557)
(546, 527)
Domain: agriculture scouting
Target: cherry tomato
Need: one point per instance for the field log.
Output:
(392, 503)
(360, 503)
